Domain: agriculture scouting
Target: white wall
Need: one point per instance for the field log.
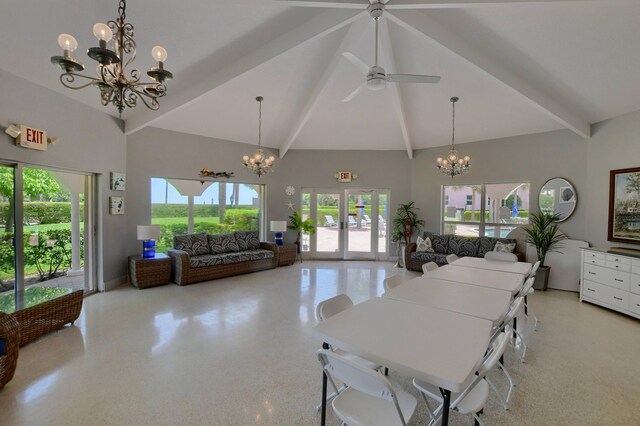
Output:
(155, 152)
(90, 141)
(615, 144)
(531, 158)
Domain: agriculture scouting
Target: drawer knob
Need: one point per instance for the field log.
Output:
(620, 281)
(592, 273)
(617, 298)
(590, 289)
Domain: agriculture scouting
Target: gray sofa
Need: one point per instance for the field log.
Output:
(446, 244)
(203, 257)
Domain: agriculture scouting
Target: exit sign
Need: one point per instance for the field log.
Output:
(344, 176)
(32, 138)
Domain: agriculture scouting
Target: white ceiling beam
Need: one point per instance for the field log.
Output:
(394, 90)
(422, 25)
(355, 32)
(420, 4)
(202, 79)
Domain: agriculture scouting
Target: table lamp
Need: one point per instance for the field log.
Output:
(278, 226)
(148, 234)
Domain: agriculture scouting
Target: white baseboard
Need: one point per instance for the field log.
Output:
(115, 283)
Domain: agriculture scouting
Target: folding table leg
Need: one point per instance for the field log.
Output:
(323, 414)
(446, 402)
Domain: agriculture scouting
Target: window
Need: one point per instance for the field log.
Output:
(182, 206)
(485, 209)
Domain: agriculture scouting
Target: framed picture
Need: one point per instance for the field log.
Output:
(118, 182)
(624, 205)
(116, 205)
(566, 195)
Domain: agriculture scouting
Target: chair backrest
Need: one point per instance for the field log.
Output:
(503, 257)
(393, 281)
(329, 219)
(527, 286)
(452, 258)
(359, 377)
(328, 308)
(352, 219)
(381, 219)
(534, 269)
(429, 266)
(514, 310)
(367, 218)
(498, 346)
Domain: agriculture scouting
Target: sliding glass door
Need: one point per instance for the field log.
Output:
(46, 242)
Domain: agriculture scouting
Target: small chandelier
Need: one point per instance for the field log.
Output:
(453, 165)
(259, 164)
(114, 53)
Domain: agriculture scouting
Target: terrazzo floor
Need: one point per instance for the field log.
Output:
(240, 351)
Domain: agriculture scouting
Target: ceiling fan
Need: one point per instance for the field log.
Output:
(376, 78)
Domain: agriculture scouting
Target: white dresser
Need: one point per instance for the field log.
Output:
(611, 280)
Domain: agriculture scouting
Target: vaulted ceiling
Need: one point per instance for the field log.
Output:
(518, 66)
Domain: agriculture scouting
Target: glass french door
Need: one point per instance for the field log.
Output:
(46, 238)
(350, 224)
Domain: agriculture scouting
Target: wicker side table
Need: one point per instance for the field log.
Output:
(144, 273)
(288, 253)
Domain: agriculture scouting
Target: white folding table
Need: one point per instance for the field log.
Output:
(440, 347)
(493, 265)
(479, 277)
(480, 302)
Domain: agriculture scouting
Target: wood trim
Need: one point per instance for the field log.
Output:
(612, 176)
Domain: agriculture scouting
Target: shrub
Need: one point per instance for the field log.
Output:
(43, 212)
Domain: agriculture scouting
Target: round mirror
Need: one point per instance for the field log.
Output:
(558, 196)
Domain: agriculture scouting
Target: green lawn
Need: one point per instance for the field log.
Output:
(178, 220)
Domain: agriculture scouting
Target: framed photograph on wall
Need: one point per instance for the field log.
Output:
(624, 205)
(566, 195)
(116, 205)
(118, 182)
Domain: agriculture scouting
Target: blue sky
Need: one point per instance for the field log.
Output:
(160, 190)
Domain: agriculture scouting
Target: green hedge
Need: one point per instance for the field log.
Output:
(476, 215)
(199, 210)
(43, 212)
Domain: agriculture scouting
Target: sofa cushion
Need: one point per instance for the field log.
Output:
(423, 245)
(504, 248)
(193, 244)
(247, 240)
(243, 256)
(223, 243)
(485, 244)
(463, 246)
(205, 260)
(440, 243)
(440, 259)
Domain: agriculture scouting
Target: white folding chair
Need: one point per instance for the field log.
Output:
(328, 308)
(502, 257)
(393, 281)
(474, 398)
(517, 307)
(532, 274)
(429, 266)
(370, 398)
(452, 258)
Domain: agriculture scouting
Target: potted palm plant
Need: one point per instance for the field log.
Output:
(404, 223)
(543, 233)
(297, 224)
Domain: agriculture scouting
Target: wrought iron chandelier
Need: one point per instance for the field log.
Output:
(115, 52)
(259, 163)
(453, 165)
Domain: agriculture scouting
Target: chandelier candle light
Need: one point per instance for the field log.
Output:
(453, 165)
(115, 52)
(259, 164)
(148, 234)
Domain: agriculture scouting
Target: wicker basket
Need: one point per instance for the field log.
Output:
(10, 332)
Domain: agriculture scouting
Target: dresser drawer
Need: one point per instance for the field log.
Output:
(595, 258)
(603, 293)
(626, 267)
(618, 259)
(634, 303)
(635, 266)
(610, 277)
(634, 284)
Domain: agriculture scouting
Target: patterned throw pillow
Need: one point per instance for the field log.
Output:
(223, 243)
(424, 245)
(193, 244)
(504, 248)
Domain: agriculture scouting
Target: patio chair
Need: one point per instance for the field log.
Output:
(329, 221)
(352, 221)
(365, 217)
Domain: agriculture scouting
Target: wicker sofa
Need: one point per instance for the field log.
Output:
(203, 257)
(9, 343)
(446, 244)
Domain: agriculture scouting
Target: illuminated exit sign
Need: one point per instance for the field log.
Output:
(32, 138)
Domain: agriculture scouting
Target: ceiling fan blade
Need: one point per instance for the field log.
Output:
(354, 93)
(341, 4)
(364, 68)
(412, 78)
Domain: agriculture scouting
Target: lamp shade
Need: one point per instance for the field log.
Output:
(148, 232)
(278, 226)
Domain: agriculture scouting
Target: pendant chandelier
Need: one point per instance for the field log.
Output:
(115, 52)
(453, 165)
(259, 164)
